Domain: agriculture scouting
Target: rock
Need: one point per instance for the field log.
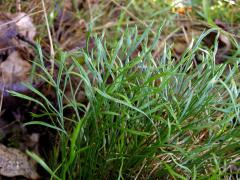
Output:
(13, 163)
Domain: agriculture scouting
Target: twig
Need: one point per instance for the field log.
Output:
(33, 44)
(1, 99)
(18, 5)
(18, 19)
(52, 53)
(139, 172)
(90, 10)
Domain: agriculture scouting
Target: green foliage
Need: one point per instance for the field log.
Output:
(156, 118)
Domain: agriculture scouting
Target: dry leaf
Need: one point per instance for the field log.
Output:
(13, 162)
(7, 30)
(25, 26)
(14, 52)
(180, 45)
(14, 69)
(13, 24)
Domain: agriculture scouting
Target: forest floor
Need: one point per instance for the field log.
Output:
(119, 89)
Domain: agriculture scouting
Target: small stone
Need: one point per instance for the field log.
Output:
(13, 163)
